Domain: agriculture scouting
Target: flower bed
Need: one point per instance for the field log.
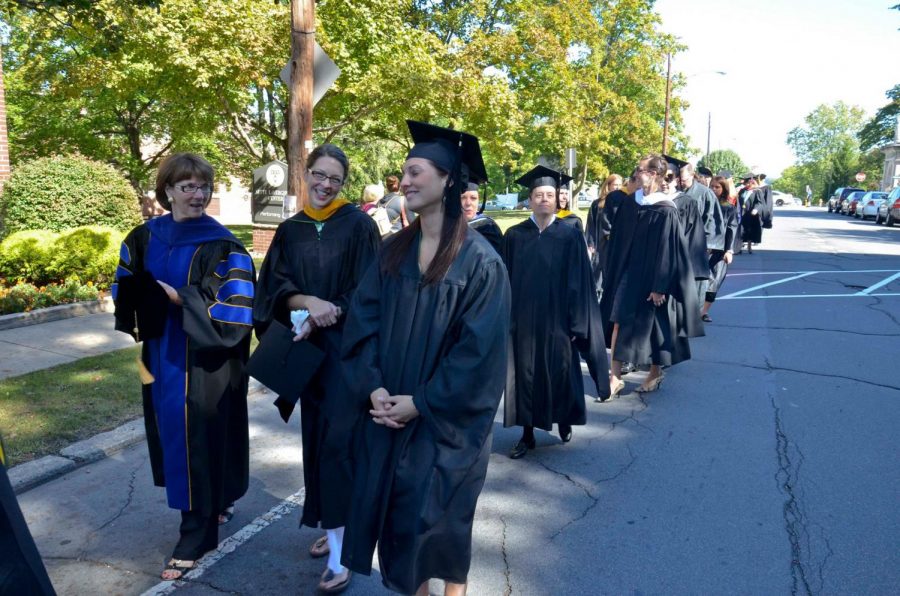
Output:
(25, 297)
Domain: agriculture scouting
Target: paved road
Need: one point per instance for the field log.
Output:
(768, 464)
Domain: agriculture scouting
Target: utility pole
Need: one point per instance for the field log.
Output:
(300, 107)
(668, 99)
(708, 131)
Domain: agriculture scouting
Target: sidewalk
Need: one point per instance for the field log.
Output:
(35, 347)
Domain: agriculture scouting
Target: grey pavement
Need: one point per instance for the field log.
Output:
(767, 464)
(35, 347)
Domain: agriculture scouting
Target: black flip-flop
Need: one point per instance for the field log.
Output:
(227, 515)
(173, 565)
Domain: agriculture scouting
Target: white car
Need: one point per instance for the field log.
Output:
(869, 204)
(780, 199)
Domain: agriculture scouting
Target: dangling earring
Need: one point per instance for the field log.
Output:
(444, 200)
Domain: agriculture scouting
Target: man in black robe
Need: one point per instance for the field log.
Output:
(555, 316)
(473, 211)
(710, 217)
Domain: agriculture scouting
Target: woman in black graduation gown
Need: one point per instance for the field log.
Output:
(751, 215)
(184, 286)
(649, 296)
(555, 316)
(598, 227)
(564, 213)
(479, 222)
(425, 352)
(315, 262)
(719, 260)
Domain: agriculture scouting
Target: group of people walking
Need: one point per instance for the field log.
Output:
(420, 335)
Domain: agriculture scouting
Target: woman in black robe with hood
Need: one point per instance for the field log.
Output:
(425, 353)
(315, 262)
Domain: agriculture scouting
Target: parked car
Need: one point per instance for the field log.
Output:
(584, 200)
(889, 211)
(784, 198)
(834, 203)
(868, 205)
(848, 205)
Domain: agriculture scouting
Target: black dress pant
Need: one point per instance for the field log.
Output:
(199, 535)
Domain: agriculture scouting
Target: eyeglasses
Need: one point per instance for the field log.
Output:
(190, 189)
(670, 177)
(320, 176)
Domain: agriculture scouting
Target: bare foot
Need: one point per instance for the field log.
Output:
(176, 569)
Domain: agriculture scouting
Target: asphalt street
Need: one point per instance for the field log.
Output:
(768, 464)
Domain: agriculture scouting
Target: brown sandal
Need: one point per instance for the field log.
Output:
(331, 584)
(319, 548)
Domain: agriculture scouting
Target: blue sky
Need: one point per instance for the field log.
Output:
(782, 58)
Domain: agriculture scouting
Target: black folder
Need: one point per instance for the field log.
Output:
(285, 366)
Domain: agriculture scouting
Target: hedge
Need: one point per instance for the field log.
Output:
(87, 254)
(61, 193)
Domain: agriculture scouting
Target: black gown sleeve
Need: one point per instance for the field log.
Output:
(369, 241)
(731, 226)
(491, 232)
(452, 402)
(585, 326)
(218, 303)
(275, 285)
(360, 344)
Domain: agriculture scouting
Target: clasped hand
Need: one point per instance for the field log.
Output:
(656, 299)
(322, 312)
(392, 411)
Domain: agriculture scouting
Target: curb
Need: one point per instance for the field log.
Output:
(55, 313)
(36, 472)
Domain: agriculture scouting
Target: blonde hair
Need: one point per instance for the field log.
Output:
(372, 193)
(604, 189)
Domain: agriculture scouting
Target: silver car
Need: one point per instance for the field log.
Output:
(869, 204)
(889, 211)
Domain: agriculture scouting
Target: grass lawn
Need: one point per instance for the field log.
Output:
(43, 411)
(243, 233)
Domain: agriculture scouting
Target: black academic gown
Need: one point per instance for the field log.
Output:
(195, 411)
(694, 233)
(21, 568)
(596, 234)
(326, 260)
(717, 266)
(652, 257)
(555, 317)
(573, 220)
(751, 225)
(488, 228)
(766, 214)
(415, 489)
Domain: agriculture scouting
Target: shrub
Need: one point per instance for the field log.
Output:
(61, 193)
(24, 297)
(87, 254)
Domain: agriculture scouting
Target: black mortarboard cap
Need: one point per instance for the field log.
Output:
(704, 171)
(748, 176)
(445, 147)
(543, 176)
(724, 173)
(142, 306)
(472, 186)
(285, 366)
(678, 163)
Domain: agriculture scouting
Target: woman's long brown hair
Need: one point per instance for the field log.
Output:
(453, 234)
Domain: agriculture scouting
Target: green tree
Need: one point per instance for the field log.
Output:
(724, 159)
(880, 129)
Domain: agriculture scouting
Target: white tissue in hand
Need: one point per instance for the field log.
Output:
(298, 317)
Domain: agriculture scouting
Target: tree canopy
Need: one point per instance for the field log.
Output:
(127, 82)
(724, 159)
(880, 129)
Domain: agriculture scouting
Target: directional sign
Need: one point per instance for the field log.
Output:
(325, 73)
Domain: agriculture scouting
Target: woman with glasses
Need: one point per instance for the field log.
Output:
(184, 287)
(314, 264)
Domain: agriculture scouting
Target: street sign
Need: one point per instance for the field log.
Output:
(325, 73)
(860, 176)
(269, 193)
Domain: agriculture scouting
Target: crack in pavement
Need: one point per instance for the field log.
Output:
(888, 314)
(128, 500)
(790, 460)
(208, 584)
(770, 368)
(771, 328)
(506, 573)
(623, 469)
(585, 489)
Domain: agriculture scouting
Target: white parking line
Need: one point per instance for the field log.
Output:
(796, 272)
(771, 283)
(857, 295)
(882, 283)
(231, 543)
